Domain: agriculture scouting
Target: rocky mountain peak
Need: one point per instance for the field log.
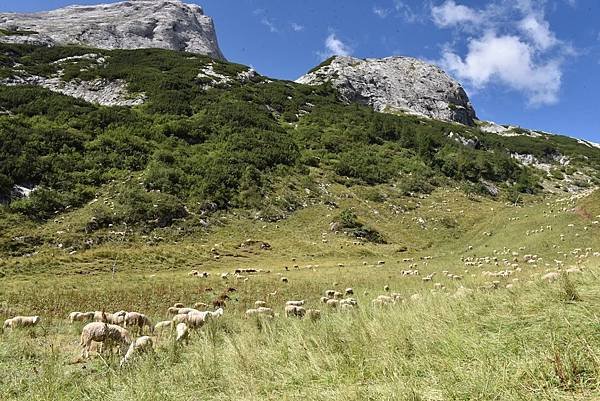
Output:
(133, 24)
(396, 84)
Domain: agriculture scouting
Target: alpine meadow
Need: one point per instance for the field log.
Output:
(176, 226)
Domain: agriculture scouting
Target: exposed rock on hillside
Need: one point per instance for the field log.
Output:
(134, 24)
(396, 84)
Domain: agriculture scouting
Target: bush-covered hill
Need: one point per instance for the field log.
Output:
(213, 135)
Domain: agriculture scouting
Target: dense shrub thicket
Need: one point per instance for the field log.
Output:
(222, 146)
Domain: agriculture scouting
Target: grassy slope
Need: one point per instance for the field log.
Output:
(526, 343)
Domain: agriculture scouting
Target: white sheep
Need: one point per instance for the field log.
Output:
(21, 321)
(180, 318)
(163, 325)
(201, 305)
(294, 311)
(112, 318)
(137, 321)
(260, 311)
(349, 291)
(295, 303)
(338, 295)
(198, 319)
(329, 293)
(138, 346)
(80, 316)
(349, 301)
(105, 333)
(182, 333)
(259, 304)
(333, 303)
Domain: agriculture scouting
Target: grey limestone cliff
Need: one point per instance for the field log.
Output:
(396, 84)
(134, 24)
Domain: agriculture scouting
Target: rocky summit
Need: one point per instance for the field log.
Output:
(134, 24)
(396, 84)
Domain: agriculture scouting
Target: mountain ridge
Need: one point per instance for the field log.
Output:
(396, 84)
(167, 24)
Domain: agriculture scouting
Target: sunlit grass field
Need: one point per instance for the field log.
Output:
(534, 341)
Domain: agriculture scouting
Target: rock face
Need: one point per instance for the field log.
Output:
(395, 84)
(134, 24)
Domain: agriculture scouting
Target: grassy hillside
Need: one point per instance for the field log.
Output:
(228, 170)
(213, 136)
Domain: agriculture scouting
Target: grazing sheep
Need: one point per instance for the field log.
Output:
(187, 310)
(259, 304)
(179, 305)
(348, 301)
(80, 316)
(107, 334)
(295, 303)
(313, 314)
(163, 325)
(198, 319)
(574, 270)
(333, 303)
(284, 280)
(140, 345)
(172, 310)
(200, 305)
(550, 277)
(138, 321)
(349, 291)
(261, 311)
(21, 321)
(295, 311)
(385, 300)
(338, 295)
(112, 318)
(329, 293)
(182, 333)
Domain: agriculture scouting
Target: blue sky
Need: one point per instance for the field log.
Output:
(533, 63)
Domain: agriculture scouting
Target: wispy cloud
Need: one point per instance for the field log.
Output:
(381, 12)
(297, 27)
(269, 24)
(407, 12)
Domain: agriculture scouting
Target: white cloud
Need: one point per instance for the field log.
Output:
(510, 61)
(380, 11)
(538, 32)
(452, 14)
(297, 27)
(335, 47)
(510, 43)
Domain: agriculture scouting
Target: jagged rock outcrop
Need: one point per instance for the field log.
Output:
(134, 24)
(395, 84)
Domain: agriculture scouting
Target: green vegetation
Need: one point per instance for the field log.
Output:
(224, 147)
